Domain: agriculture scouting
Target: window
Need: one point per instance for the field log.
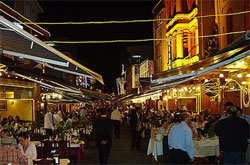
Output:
(170, 54)
(22, 93)
(10, 94)
(184, 6)
(174, 48)
(158, 36)
(185, 44)
(229, 27)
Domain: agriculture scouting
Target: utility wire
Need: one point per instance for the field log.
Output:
(140, 40)
(129, 21)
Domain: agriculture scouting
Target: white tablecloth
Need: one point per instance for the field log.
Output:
(155, 148)
(206, 147)
(202, 148)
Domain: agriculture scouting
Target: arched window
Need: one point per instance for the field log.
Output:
(173, 7)
(184, 6)
(229, 26)
(190, 4)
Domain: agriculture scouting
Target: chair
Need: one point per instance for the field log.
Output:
(199, 160)
(63, 148)
(46, 148)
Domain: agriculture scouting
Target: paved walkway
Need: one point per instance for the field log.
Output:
(120, 151)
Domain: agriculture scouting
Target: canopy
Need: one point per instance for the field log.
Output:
(17, 42)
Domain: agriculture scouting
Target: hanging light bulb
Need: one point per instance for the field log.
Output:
(193, 87)
(226, 79)
(248, 75)
(243, 82)
(206, 80)
(239, 75)
(221, 75)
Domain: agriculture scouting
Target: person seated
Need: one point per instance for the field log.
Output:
(6, 133)
(9, 154)
(27, 148)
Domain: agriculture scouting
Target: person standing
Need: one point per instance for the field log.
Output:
(133, 124)
(49, 122)
(136, 128)
(233, 134)
(116, 118)
(180, 142)
(103, 130)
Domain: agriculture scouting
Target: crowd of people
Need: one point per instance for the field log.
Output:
(177, 130)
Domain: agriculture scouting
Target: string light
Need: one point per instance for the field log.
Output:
(239, 75)
(248, 75)
(128, 21)
(140, 40)
(221, 75)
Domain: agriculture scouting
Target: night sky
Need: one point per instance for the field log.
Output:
(105, 59)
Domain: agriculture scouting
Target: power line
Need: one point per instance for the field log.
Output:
(129, 21)
(139, 40)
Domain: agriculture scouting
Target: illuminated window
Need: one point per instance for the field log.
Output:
(9, 94)
(185, 45)
(169, 54)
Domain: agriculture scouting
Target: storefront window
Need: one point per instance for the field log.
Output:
(10, 94)
(22, 93)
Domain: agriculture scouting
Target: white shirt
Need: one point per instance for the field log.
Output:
(48, 123)
(180, 137)
(30, 152)
(116, 115)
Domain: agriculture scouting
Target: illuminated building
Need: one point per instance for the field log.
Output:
(146, 68)
(202, 57)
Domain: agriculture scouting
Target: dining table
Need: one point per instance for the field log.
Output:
(76, 149)
(202, 147)
(206, 147)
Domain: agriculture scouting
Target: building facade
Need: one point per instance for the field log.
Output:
(184, 32)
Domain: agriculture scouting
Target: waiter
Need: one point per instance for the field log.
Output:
(116, 118)
(49, 122)
(103, 129)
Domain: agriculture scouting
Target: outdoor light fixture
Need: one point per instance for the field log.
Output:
(239, 75)
(221, 75)
(243, 82)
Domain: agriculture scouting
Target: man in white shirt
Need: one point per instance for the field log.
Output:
(116, 118)
(49, 122)
(180, 142)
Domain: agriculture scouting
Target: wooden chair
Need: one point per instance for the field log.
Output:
(46, 148)
(63, 148)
